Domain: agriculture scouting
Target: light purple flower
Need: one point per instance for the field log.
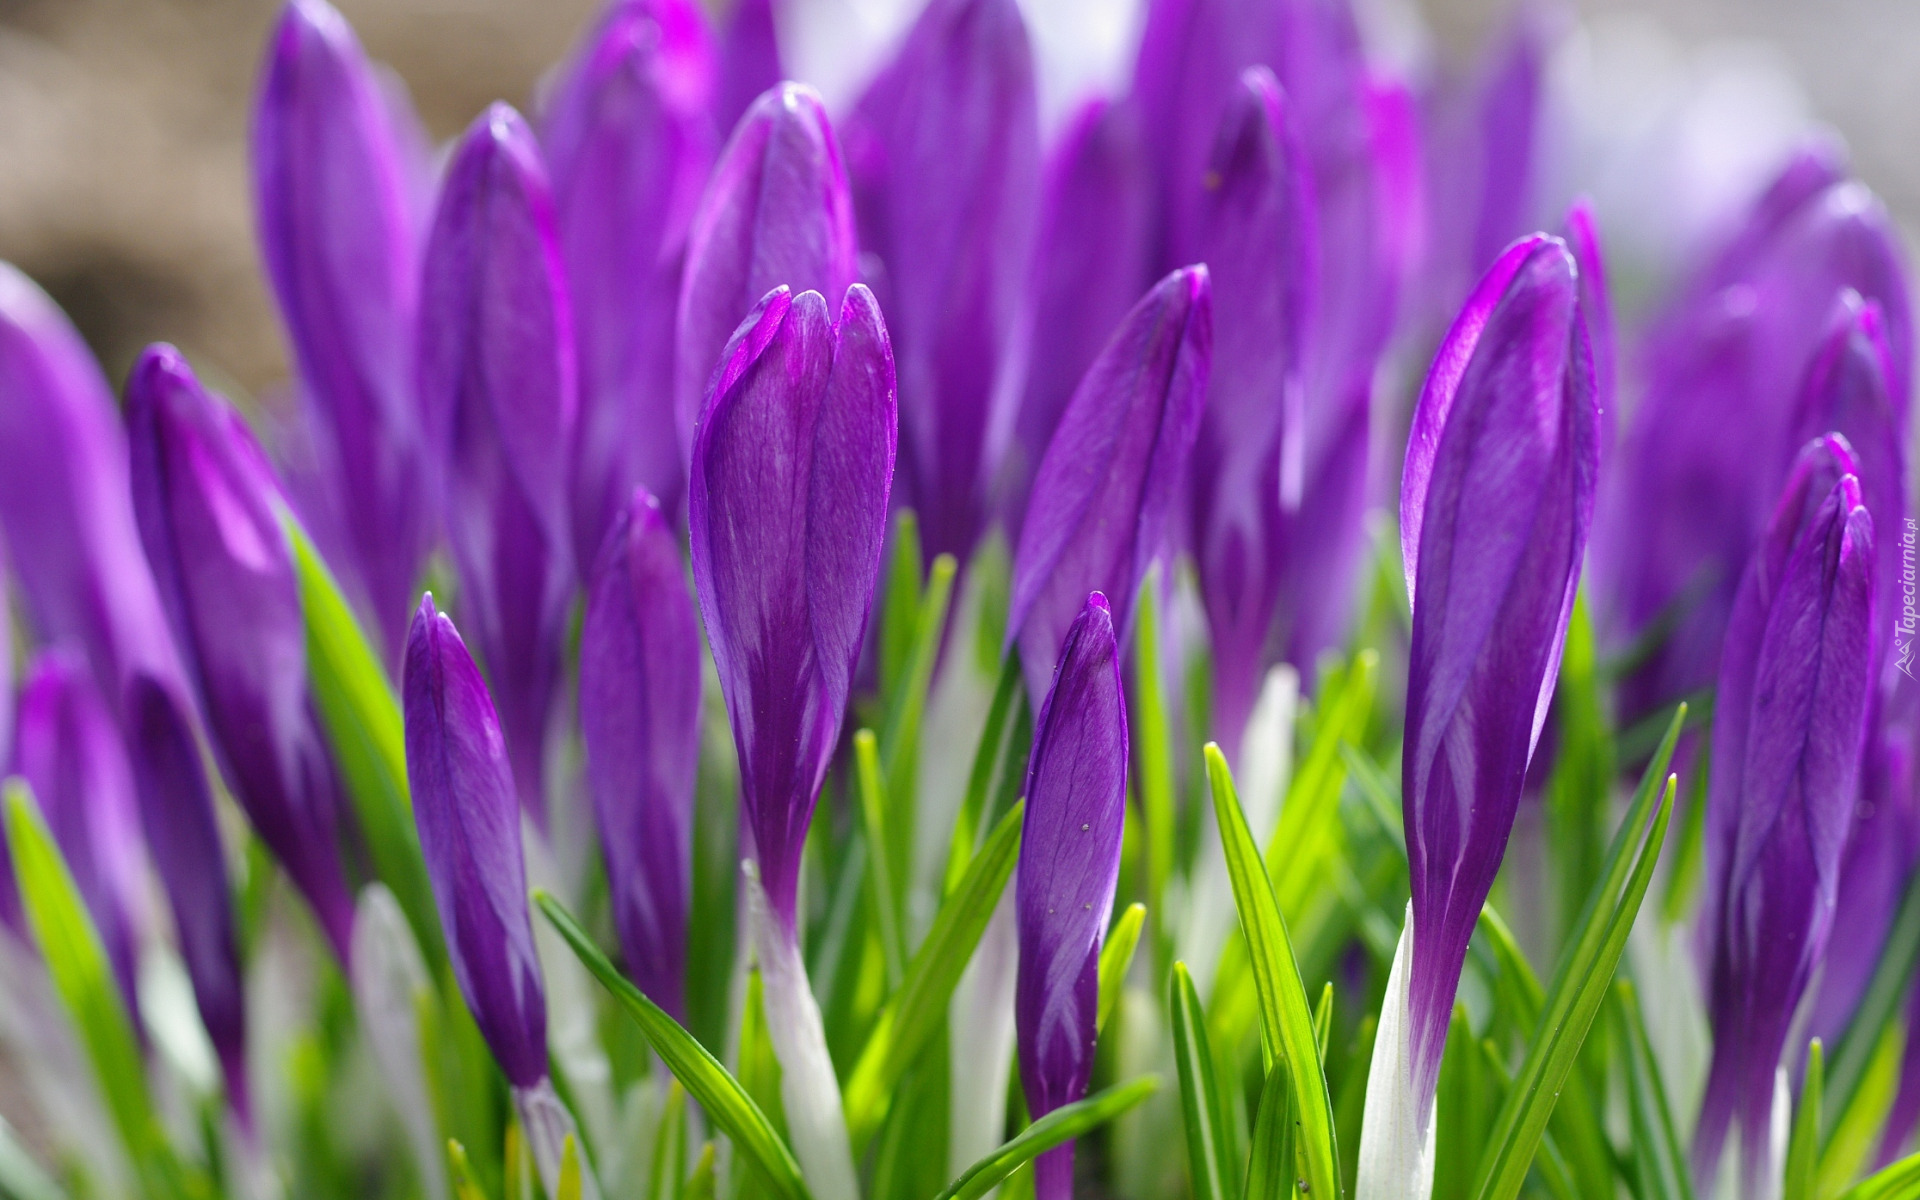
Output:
(1495, 503)
(749, 60)
(497, 378)
(640, 718)
(1107, 491)
(792, 466)
(211, 518)
(944, 151)
(629, 139)
(1068, 870)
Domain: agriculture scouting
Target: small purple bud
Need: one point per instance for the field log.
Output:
(211, 517)
(640, 718)
(629, 140)
(1109, 486)
(463, 803)
(792, 465)
(749, 60)
(1069, 867)
(497, 379)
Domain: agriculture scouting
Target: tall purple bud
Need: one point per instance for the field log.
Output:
(629, 139)
(640, 717)
(497, 377)
(1789, 718)
(1069, 867)
(776, 213)
(333, 202)
(749, 60)
(1258, 238)
(183, 837)
(1495, 504)
(1107, 491)
(944, 150)
(211, 517)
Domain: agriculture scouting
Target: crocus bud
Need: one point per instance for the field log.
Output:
(1107, 489)
(749, 60)
(629, 138)
(211, 518)
(1258, 237)
(792, 467)
(68, 749)
(776, 213)
(183, 837)
(333, 202)
(1789, 718)
(497, 379)
(1069, 867)
(1494, 507)
(640, 717)
(944, 149)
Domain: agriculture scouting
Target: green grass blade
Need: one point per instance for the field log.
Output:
(1061, 1125)
(1803, 1147)
(900, 731)
(568, 1185)
(1306, 838)
(888, 904)
(461, 1170)
(1849, 1142)
(1210, 1159)
(725, 1102)
(1879, 1007)
(1116, 956)
(1897, 1181)
(1285, 1020)
(999, 754)
(1271, 1162)
(1659, 1160)
(900, 609)
(700, 1184)
(1152, 741)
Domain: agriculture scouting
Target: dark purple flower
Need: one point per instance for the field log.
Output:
(1596, 304)
(792, 465)
(1789, 718)
(68, 749)
(640, 717)
(1495, 503)
(463, 803)
(183, 837)
(776, 213)
(332, 193)
(211, 518)
(12, 917)
(944, 150)
(497, 379)
(1069, 867)
(629, 139)
(749, 60)
(1108, 489)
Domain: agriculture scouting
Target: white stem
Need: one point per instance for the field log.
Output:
(1396, 1138)
(548, 1124)
(389, 981)
(809, 1090)
(981, 1048)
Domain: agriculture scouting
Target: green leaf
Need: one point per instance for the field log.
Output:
(725, 1102)
(1463, 1110)
(1579, 788)
(1850, 1141)
(20, 1177)
(1285, 1021)
(1210, 1158)
(1582, 981)
(669, 1146)
(1270, 1165)
(919, 1009)
(1897, 1181)
(907, 702)
(568, 1186)
(1659, 1161)
(1879, 1007)
(1061, 1125)
(1307, 837)
(1803, 1148)
(1116, 956)
(1152, 740)
(759, 1075)
(888, 903)
(464, 1188)
(1001, 755)
(700, 1184)
(900, 610)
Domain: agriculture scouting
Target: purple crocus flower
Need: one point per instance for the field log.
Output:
(211, 518)
(183, 836)
(1494, 509)
(332, 194)
(944, 150)
(497, 379)
(1069, 867)
(640, 717)
(68, 748)
(1789, 718)
(1258, 237)
(1107, 490)
(749, 60)
(629, 138)
(776, 213)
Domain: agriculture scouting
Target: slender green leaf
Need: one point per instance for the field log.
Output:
(1579, 787)
(900, 732)
(1463, 1110)
(1152, 740)
(725, 1102)
(669, 1146)
(888, 902)
(1896, 1181)
(1116, 956)
(464, 1188)
(1285, 1021)
(700, 1184)
(1061, 1125)
(1307, 835)
(1879, 1007)
(1803, 1147)
(900, 611)
(1349, 1100)
(568, 1187)
(1210, 1158)
(999, 755)
(1659, 1161)
(1850, 1141)
(518, 1183)
(1323, 1020)
(1270, 1164)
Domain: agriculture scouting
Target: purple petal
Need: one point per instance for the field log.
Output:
(497, 378)
(792, 465)
(749, 60)
(776, 213)
(1106, 491)
(629, 139)
(183, 836)
(1596, 304)
(1508, 125)
(211, 521)
(463, 803)
(640, 718)
(1069, 868)
(944, 150)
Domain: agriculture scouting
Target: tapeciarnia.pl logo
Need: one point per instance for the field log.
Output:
(1904, 628)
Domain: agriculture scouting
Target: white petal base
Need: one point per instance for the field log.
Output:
(1396, 1139)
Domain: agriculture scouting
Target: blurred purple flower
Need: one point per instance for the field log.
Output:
(749, 60)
